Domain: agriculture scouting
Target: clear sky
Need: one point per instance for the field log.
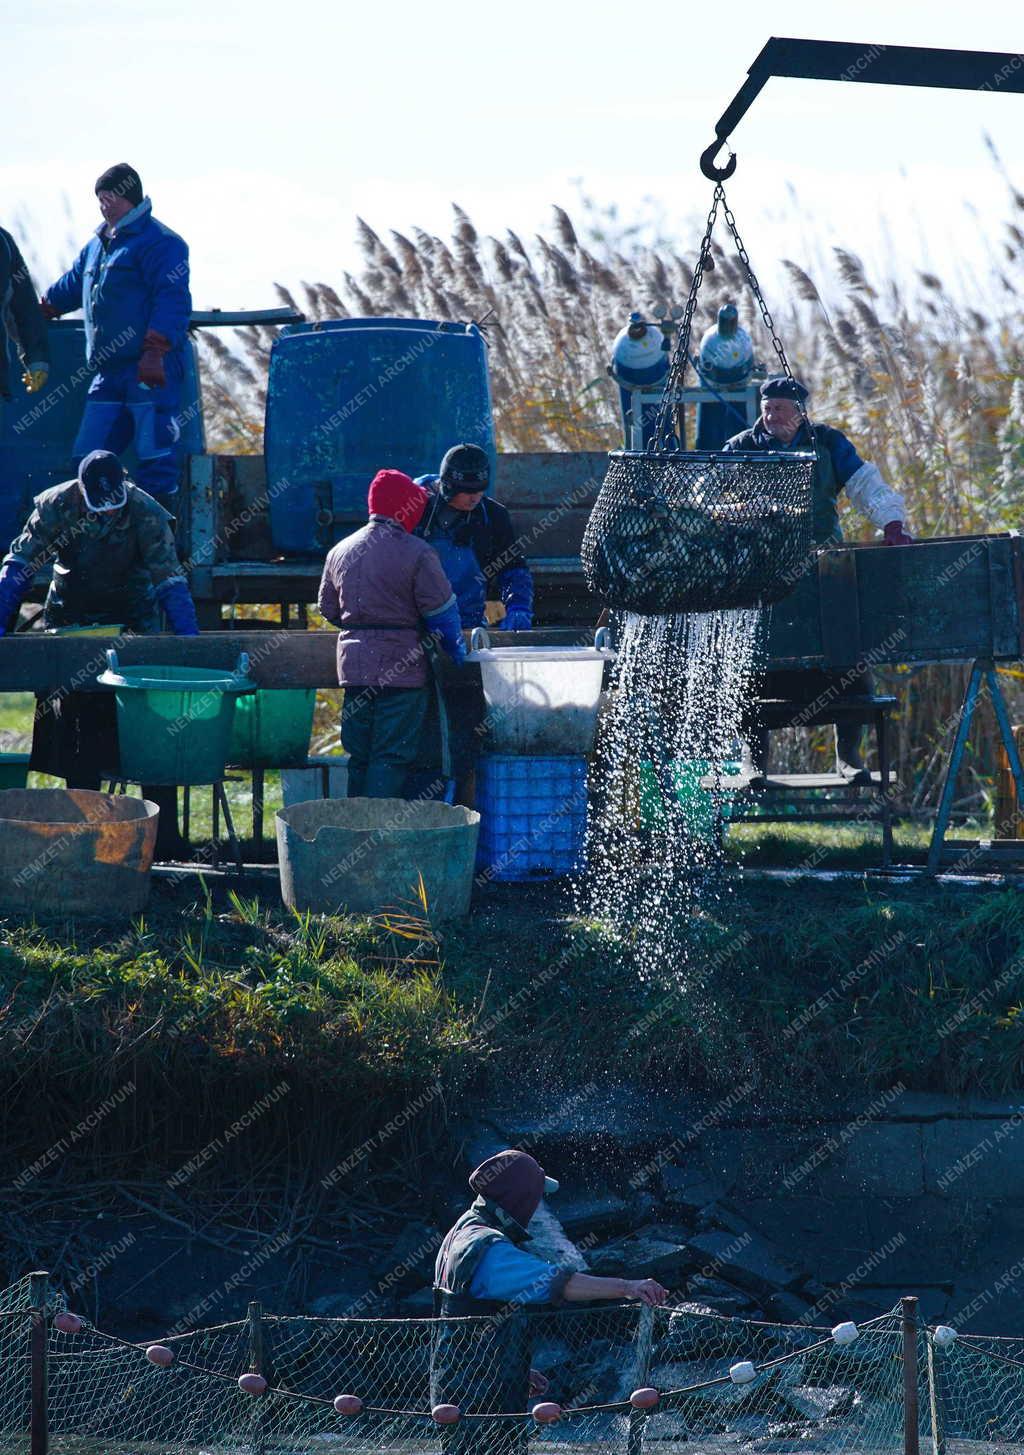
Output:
(261, 129)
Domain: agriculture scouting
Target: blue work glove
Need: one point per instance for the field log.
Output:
(516, 621)
(14, 583)
(179, 608)
(517, 594)
(446, 625)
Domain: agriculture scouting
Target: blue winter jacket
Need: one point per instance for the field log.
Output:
(133, 281)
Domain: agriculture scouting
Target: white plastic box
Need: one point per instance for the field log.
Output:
(541, 701)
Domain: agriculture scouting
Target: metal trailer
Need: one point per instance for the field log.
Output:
(943, 601)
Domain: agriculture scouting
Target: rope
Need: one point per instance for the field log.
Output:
(668, 1396)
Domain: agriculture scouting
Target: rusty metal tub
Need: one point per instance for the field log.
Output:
(72, 851)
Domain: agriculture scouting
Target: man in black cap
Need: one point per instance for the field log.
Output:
(476, 541)
(784, 425)
(114, 564)
(482, 1268)
(131, 280)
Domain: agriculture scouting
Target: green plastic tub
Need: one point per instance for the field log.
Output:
(272, 728)
(174, 723)
(696, 802)
(13, 770)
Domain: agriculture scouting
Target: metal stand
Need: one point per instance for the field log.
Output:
(220, 796)
(775, 713)
(258, 783)
(220, 801)
(939, 852)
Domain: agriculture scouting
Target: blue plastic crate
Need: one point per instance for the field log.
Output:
(533, 816)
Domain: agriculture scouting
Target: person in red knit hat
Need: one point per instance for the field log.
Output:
(386, 590)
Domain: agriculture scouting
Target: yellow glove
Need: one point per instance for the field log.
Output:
(34, 379)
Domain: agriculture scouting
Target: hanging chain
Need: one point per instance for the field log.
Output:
(663, 428)
(755, 286)
(663, 432)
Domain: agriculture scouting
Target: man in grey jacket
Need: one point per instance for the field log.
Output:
(386, 589)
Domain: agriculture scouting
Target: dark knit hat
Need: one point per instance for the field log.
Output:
(513, 1181)
(781, 387)
(396, 496)
(123, 181)
(101, 481)
(465, 467)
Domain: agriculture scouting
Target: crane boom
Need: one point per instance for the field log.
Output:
(840, 60)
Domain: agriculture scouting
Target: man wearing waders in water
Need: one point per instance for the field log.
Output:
(482, 1364)
(783, 425)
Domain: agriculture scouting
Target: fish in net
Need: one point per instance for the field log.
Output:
(689, 531)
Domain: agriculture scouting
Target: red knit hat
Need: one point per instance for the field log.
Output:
(398, 497)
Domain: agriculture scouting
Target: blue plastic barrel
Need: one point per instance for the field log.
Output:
(533, 816)
(353, 396)
(37, 431)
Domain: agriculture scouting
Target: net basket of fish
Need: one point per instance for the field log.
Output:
(694, 531)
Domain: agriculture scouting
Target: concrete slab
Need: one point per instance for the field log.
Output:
(644, 1255)
(979, 1158)
(748, 1260)
(745, 1158)
(587, 1214)
(881, 1159)
(688, 1189)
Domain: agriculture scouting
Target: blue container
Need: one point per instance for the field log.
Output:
(353, 396)
(37, 431)
(533, 816)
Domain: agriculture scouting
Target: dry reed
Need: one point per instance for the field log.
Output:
(929, 388)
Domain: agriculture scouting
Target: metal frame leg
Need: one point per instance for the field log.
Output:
(882, 738)
(257, 805)
(220, 794)
(970, 702)
(1005, 732)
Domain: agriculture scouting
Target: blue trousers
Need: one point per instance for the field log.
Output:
(380, 729)
(120, 411)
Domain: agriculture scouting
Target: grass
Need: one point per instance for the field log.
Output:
(211, 999)
(835, 845)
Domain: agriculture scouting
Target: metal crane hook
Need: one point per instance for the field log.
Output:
(707, 162)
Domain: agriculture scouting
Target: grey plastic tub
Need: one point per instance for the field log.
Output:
(365, 855)
(72, 851)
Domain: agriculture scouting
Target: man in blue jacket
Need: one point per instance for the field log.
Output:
(783, 425)
(476, 541)
(131, 280)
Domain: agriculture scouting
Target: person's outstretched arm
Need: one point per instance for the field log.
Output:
(584, 1286)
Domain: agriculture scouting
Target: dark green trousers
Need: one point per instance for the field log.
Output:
(380, 730)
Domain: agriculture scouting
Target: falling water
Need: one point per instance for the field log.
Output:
(679, 688)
